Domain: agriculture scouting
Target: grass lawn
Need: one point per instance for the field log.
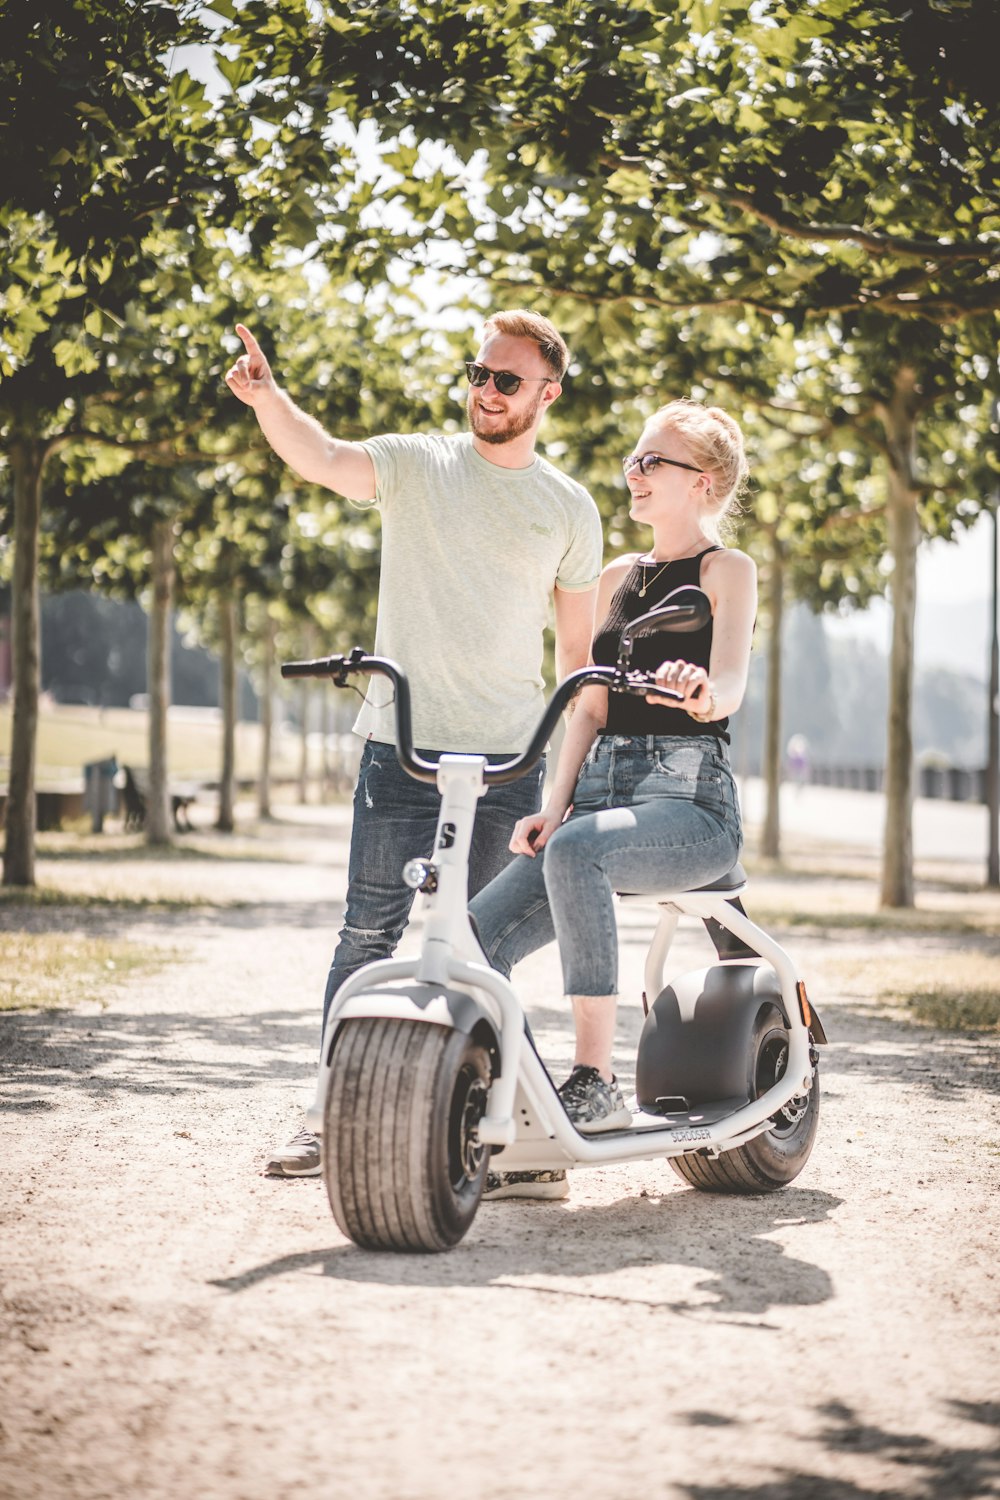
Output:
(956, 991)
(69, 735)
(59, 969)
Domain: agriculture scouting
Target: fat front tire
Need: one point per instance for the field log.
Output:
(403, 1165)
(773, 1159)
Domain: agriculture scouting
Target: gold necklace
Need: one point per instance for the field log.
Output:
(645, 585)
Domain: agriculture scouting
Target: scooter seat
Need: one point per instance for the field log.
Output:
(733, 882)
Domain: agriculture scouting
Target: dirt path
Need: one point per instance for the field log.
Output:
(176, 1324)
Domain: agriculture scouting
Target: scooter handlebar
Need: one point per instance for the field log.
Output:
(686, 609)
(340, 668)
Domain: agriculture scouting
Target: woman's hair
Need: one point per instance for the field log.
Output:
(715, 443)
(531, 325)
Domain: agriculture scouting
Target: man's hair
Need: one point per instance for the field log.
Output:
(531, 325)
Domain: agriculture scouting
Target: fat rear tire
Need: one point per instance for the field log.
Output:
(773, 1159)
(402, 1165)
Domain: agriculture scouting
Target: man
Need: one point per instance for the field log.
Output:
(479, 534)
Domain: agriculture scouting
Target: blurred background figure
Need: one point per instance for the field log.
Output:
(797, 759)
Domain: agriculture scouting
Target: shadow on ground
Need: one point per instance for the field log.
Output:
(924, 1469)
(564, 1242)
(46, 1053)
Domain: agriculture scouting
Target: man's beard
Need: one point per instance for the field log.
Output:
(515, 426)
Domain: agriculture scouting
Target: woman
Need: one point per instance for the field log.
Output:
(642, 798)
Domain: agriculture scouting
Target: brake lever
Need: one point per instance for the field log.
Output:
(641, 683)
(346, 666)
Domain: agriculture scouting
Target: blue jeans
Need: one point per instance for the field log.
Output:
(650, 813)
(395, 819)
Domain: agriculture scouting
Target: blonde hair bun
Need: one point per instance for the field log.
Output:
(715, 442)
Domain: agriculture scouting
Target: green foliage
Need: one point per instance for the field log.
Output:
(807, 146)
(243, 523)
(772, 209)
(702, 195)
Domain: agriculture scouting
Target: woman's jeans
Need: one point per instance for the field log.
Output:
(395, 819)
(651, 813)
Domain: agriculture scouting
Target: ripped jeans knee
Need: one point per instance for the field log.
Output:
(357, 946)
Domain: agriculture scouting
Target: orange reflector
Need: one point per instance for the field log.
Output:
(804, 1006)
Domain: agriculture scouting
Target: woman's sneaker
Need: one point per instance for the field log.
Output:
(302, 1157)
(591, 1103)
(525, 1185)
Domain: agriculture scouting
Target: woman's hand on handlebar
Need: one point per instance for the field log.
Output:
(683, 678)
(533, 833)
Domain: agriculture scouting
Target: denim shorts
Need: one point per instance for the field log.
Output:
(628, 770)
(650, 813)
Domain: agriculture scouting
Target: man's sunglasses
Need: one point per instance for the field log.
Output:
(649, 461)
(505, 382)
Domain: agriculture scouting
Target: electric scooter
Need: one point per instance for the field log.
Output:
(428, 1068)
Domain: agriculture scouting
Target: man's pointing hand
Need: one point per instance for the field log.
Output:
(250, 377)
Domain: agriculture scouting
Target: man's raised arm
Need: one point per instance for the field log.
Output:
(294, 436)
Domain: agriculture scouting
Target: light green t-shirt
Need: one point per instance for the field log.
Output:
(471, 553)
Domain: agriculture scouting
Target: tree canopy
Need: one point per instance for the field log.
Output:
(790, 165)
(790, 208)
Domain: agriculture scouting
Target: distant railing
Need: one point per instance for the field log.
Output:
(949, 783)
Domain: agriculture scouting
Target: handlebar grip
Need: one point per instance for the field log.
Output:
(319, 668)
(337, 667)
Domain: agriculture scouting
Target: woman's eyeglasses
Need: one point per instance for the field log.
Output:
(647, 462)
(506, 383)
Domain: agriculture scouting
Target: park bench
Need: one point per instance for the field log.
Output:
(135, 792)
(53, 805)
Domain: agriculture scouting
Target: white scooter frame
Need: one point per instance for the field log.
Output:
(450, 985)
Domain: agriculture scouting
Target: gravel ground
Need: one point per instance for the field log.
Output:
(177, 1324)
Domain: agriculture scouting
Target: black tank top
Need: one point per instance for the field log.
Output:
(631, 715)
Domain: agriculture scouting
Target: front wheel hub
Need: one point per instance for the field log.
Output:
(466, 1150)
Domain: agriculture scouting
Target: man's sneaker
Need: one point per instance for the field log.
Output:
(591, 1103)
(525, 1185)
(302, 1157)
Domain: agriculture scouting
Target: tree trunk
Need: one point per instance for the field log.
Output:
(266, 721)
(304, 743)
(27, 460)
(898, 417)
(158, 818)
(227, 779)
(771, 835)
(326, 727)
(305, 703)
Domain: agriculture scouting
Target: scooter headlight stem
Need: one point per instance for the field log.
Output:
(420, 875)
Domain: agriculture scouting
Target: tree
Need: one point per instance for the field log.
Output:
(158, 680)
(84, 109)
(806, 164)
(107, 148)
